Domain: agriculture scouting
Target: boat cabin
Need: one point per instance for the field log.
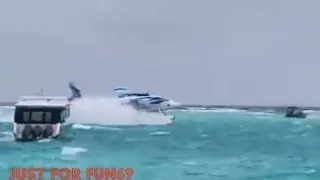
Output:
(44, 110)
(41, 114)
(295, 112)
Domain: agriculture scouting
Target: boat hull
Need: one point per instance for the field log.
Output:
(33, 132)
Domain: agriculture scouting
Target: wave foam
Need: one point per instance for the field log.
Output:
(108, 111)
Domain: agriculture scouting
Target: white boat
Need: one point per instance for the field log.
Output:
(40, 117)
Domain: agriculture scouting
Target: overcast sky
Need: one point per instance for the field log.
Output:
(263, 52)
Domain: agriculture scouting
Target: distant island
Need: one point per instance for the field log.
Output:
(7, 103)
(240, 107)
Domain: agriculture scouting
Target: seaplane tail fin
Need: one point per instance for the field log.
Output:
(75, 92)
(121, 91)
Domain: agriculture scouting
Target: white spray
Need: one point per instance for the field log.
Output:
(108, 111)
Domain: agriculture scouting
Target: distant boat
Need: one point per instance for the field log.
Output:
(295, 112)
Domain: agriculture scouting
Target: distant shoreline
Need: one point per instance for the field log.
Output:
(241, 107)
(7, 103)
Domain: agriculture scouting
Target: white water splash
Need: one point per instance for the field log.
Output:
(108, 111)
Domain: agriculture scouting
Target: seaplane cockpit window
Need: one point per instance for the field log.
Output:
(138, 94)
(26, 116)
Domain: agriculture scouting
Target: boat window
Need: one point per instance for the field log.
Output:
(26, 116)
(67, 112)
(63, 114)
(37, 116)
(48, 116)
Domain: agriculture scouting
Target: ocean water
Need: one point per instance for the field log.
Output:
(217, 144)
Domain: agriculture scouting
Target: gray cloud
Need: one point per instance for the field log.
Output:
(209, 52)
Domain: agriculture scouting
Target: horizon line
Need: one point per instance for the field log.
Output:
(239, 106)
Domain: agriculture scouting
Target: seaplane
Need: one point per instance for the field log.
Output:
(138, 101)
(42, 117)
(145, 101)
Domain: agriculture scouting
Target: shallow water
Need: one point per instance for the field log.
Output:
(219, 145)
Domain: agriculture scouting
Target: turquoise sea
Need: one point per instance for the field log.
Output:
(217, 144)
